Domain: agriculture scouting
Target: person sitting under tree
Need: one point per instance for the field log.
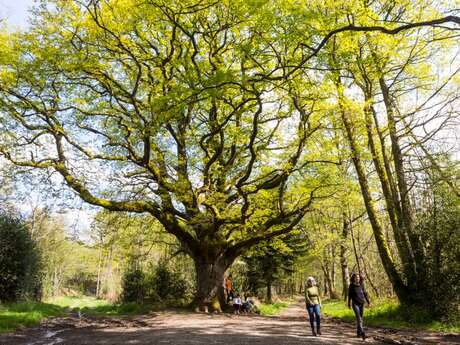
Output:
(237, 304)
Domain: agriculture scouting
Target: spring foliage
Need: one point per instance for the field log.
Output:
(222, 119)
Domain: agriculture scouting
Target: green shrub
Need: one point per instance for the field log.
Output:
(163, 285)
(166, 285)
(134, 286)
(439, 226)
(20, 264)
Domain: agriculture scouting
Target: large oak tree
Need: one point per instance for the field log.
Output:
(208, 115)
(164, 109)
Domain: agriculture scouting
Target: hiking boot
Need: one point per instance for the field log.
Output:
(313, 332)
(318, 331)
(363, 335)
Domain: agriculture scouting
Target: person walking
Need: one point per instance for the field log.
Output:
(313, 305)
(357, 295)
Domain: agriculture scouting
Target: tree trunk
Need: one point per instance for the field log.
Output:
(269, 292)
(210, 290)
(326, 289)
(99, 275)
(333, 272)
(382, 245)
(395, 186)
(355, 250)
(370, 280)
(343, 256)
(111, 292)
(407, 217)
(389, 189)
(55, 282)
(329, 283)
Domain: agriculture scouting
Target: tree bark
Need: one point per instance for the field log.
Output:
(210, 290)
(269, 292)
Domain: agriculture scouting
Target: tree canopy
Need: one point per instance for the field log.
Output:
(218, 118)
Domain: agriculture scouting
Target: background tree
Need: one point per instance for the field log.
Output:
(131, 250)
(49, 236)
(380, 125)
(270, 262)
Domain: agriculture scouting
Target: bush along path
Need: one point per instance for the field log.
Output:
(288, 328)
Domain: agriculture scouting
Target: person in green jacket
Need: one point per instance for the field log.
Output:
(313, 304)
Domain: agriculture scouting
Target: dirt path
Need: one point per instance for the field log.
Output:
(289, 328)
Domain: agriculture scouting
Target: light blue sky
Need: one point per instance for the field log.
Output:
(15, 11)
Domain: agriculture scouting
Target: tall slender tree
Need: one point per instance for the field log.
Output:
(385, 70)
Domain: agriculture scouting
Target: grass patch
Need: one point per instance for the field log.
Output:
(92, 306)
(116, 309)
(13, 316)
(272, 309)
(78, 302)
(27, 314)
(389, 313)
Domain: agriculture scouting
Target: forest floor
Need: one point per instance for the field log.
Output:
(183, 328)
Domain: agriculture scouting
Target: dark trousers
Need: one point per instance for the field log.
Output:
(314, 315)
(359, 314)
(229, 294)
